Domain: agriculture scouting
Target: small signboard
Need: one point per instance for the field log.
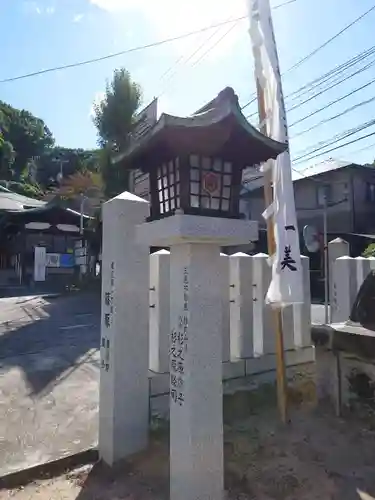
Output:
(53, 260)
(40, 264)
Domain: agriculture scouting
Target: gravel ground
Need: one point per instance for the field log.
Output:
(316, 456)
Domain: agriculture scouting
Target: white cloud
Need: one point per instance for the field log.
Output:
(175, 17)
(78, 18)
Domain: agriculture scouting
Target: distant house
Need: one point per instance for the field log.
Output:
(349, 188)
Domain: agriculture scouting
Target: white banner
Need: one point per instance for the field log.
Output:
(286, 285)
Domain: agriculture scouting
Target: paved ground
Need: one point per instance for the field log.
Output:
(49, 370)
(49, 367)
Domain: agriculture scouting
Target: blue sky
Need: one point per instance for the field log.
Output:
(45, 33)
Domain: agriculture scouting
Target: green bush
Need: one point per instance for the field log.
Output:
(370, 251)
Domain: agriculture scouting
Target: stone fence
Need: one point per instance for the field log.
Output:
(247, 328)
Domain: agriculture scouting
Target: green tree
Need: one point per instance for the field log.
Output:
(114, 119)
(7, 158)
(28, 135)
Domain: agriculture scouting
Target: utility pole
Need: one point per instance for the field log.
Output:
(325, 256)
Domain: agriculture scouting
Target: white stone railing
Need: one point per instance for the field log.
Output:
(247, 325)
(348, 274)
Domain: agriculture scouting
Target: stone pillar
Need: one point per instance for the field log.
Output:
(263, 318)
(124, 398)
(241, 306)
(364, 266)
(345, 288)
(302, 312)
(159, 311)
(336, 248)
(196, 413)
(225, 305)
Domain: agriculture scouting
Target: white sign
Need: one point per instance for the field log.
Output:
(53, 260)
(286, 284)
(146, 119)
(39, 264)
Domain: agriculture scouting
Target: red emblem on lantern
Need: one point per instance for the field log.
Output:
(210, 182)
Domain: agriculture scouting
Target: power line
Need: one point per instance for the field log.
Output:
(315, 51)
(216, 43)
(332, 76)
(311, 54)
(333, 140)
(334, 117)
(185, 60)
(335, 101)
(338, 147)
(326, 89)
(362, 149)
(335, 84)
(133, 49)
(337, 69)
(123, 52)
(197, 61)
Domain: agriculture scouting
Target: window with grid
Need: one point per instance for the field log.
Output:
(168, 180)
(210, 183)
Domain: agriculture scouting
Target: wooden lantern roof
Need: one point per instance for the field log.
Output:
(217, 129)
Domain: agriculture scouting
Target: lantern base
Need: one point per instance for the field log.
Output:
(182, 228)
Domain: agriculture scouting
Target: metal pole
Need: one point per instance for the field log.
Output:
(325, 259)
(81, 231)
(81, 216)
(282, 388)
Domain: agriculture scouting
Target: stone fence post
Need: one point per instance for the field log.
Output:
(241, 306)
(344, 287)
(159, 311)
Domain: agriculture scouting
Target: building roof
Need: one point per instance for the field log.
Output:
(221, 118)
(254, 179)
(47, 213)
(320, 168)
(9, 200)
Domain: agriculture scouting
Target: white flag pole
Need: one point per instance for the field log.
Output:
(282, 231)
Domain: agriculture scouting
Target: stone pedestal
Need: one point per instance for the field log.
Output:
(124, 399)
(196, 415)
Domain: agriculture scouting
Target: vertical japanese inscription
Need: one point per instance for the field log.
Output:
(179, 347)
(108, 318)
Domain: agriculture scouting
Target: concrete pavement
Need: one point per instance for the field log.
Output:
(49, 373)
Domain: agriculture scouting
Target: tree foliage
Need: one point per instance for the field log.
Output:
(26, 135)
(66, 160)
(114, 115)
(114, 119)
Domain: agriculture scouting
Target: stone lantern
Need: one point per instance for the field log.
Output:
(195, 164)
(195, 170)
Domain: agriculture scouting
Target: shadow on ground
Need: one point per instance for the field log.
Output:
(51, 339)
(315, 456)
